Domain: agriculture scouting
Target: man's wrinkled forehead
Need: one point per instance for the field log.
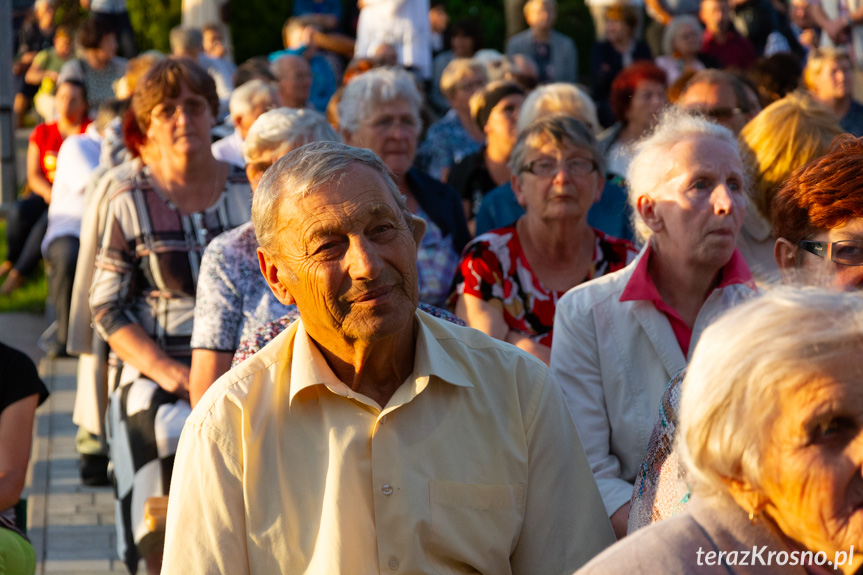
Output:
(337, 205)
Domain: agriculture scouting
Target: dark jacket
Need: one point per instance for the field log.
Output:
(442, 205)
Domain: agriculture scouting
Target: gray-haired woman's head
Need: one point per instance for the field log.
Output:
(650, 163)
(374, 89)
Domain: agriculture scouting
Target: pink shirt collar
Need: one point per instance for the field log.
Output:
(641, 287)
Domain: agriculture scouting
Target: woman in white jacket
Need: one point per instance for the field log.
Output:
(620, 339)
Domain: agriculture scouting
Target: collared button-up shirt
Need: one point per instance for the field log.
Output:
(641, 287)
(473, 466)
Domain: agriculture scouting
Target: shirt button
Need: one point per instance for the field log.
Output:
(383, 420)
(387, 490)
(393, 563)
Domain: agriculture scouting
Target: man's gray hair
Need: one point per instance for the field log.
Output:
(254, 92)
(650, 163)
(372, 91)
(744, 364)
(186, 40)
(286, 129)
(304, 171)
(560, 129)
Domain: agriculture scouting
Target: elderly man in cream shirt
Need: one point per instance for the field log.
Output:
(370, 437)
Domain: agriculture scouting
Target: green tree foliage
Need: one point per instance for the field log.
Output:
(152, 21)
(256, 25)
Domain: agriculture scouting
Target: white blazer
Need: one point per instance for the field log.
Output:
(613, 360)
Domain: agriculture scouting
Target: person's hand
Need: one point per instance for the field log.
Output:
(52, 75)
(619, 520)
(173, 377)
(808, 38)
(835, 29)
(308, 36)
(542, 352)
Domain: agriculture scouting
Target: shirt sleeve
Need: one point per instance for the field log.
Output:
(575, 364)
(480, 273)
(207, 493)
(113, 286)
(218, 302)
(565, 523)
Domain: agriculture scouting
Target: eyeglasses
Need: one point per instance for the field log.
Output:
(845, 252)
(548, 168)
(387, 123)
(168, 112)
(717, 114)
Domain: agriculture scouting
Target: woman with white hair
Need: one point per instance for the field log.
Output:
(681, 44)
(455, 135)
(248, 101)
(771, 429)
(233, 298)
(380, 111)
(620, 339)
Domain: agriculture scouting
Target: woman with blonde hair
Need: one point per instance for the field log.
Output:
(829, 77)
(787, 134)
(455, 135)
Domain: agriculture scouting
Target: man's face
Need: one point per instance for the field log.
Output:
(348, 260)
(717, 102)
(295, 81)
(540, 15)
(213, 44)
(715, 14)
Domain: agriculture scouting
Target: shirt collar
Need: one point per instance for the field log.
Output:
(641, 287)
(309, 368)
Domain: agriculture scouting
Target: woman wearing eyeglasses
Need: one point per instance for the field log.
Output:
(143, 292)
(620, 339)
(510, 279)
(818, 220)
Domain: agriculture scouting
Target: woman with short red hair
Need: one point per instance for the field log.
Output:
(637, 95)
(818, 220)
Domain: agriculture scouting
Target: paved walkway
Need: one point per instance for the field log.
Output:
(71, 526)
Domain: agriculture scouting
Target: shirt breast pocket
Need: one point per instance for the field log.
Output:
(474, 527)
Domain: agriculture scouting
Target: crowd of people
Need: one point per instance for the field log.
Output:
(396, 301)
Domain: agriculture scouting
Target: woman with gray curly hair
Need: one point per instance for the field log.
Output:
(380, 111)
(772, 443)
(619, 339)
(233, 299)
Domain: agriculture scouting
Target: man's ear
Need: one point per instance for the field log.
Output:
(785, 254)
(646, 207)
(419, 229)
(270, 270)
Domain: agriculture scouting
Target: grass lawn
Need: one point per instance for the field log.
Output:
(31, 296)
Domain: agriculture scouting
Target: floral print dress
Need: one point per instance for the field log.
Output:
(495, 268)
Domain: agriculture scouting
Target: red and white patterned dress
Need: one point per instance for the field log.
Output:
(495, 268)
